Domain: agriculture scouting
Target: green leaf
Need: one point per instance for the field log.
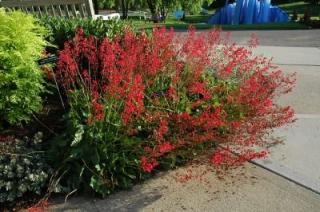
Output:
(78, 135)
(98, 168)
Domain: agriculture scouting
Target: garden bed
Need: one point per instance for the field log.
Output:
(122, 104)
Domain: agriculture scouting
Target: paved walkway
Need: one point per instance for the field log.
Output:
(305, 98)
(289, 38)
(293, 38)
(299, 56)
(251, 188)
(298, 159)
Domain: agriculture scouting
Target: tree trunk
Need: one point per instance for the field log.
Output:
(96, 6)
(163, 14)
(184, 15)
(127, 7)
(153, 10)
(124, 8)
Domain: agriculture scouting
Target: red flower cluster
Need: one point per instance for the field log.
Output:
(134, 104)
(165, 147)
(148, 164)
(186, 90)
(161, 131)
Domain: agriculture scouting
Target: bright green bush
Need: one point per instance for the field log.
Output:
(22, 167)
(63, 29)
(21, 83)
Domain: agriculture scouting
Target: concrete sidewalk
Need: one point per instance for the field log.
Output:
(298, 159)
(302, 56)
(305, 97)
(293, 38)
(249, 189)
(289, 38)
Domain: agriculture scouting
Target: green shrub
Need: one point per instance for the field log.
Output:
(141, 102)
(64, 29)
(22, 167)
(99, 161)
(21, 82)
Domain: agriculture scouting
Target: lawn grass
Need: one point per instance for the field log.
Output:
(199, 21)
(197, 18)
(190, 20)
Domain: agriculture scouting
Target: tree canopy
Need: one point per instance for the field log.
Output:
(156, 7)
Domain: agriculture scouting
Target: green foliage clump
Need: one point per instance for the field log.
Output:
(94, 160)
(21, 83)
(63, 29)
(22, 168)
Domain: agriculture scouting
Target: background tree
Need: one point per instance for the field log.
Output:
(158, 8)
(125, 8)
(152, 4)
(122, 5)
(192, 7)
(107, 4)
(163, 7)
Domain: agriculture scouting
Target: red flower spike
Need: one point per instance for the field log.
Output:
(165, 147)
(148, 165)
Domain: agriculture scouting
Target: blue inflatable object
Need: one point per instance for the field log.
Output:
(249, 12)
